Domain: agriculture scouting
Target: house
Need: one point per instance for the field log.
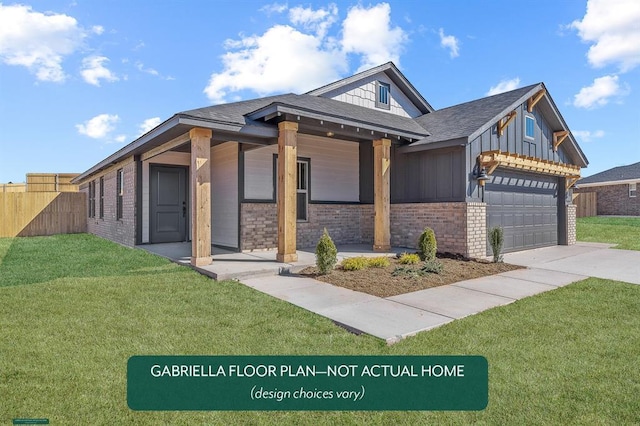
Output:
(366, 157)
(616, 190)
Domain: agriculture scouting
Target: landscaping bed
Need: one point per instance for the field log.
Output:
(381, 282)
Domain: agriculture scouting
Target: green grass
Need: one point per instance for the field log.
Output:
(73, 309)
(623, 231)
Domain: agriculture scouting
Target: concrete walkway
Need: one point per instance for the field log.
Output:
(397, 317)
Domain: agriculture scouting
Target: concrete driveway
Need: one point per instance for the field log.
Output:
(590, 259)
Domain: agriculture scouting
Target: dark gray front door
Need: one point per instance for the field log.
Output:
(167, 204)
(525, 206)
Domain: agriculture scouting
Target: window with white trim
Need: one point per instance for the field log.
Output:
(101, 197)
(383, 95)
(92, 198)
(302, 191)
(632, 190)
(529, 127)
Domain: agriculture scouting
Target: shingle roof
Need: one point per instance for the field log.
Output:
(462, 120)
(632, 171)
(240, 112)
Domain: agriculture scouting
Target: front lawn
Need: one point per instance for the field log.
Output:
(74, 308)
(623, 231)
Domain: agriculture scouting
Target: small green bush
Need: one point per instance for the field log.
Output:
(354, 263)
(427, 245)
(409, 259)
(432, 267)
(496, 240)
(326, 253)
(378, 262)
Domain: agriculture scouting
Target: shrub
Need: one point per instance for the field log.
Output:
(409, 259)
(378, 262)
(433, 266)
(427, 245)
(326, 253)
(496, 240)
(354, 263)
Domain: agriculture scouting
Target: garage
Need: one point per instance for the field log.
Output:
(526, 207)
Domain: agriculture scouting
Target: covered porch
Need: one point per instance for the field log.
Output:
(229, 264)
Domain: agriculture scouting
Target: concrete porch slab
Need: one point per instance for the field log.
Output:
(450, 301)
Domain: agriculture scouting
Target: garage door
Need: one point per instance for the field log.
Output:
(525, 206)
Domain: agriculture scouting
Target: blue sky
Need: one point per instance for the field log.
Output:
(80, 79)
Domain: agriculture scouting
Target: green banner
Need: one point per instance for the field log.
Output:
(307, 383)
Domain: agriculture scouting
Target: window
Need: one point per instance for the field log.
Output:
(92, 198)
(632, 190)
(529, 127)
(383, 95)
(102, 197)
(119, 192)
(302, 190)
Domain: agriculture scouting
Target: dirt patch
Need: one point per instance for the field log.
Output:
(382, 283)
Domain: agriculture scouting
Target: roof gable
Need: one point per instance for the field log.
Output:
(621, 173)
(357, 90)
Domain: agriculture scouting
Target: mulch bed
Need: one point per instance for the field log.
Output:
(380, 281)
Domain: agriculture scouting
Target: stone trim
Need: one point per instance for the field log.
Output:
(571, 224)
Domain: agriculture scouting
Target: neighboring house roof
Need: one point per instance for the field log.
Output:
(393, 73)
(616, 175)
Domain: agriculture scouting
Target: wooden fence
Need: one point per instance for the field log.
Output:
(51, 182)
(13, 187)
(586, 204)
(26, 214)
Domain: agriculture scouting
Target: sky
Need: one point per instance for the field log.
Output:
(81, 79)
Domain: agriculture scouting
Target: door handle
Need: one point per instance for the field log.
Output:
(184, 209)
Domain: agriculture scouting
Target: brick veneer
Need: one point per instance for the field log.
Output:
(614, 199)
(123, 230)
(459, 227)
(571, 224)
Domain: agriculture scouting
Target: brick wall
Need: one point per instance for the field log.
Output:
(571, 224)
(614, 199)
(346, 223)
(449, 221)
(122, 231)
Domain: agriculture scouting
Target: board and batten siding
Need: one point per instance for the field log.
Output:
(363, 93)
(513, 141)
(333, 165)
(427, 176)
(224, 194)
(167, 158)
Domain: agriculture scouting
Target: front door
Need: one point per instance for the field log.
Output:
(168, 208)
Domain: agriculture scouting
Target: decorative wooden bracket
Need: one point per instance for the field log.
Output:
(558, 138)
(504, 122)
(492, 159)
(535, 99)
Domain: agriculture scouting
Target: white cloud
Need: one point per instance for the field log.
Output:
(611, 26)
(504, 86)
(368, 32)
(93, 70)
(317, 21)
(120, 138)
(282, 59)
(301, 55)
(99, 126)
(152, 71)
(274, 8)
(97, 29)
(148, 124)
(599, 93)
(449, 42)
(38, 41)
(587, 135)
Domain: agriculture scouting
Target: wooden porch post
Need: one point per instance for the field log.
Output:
(287, 169)
(200, 196)
(382, 194)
